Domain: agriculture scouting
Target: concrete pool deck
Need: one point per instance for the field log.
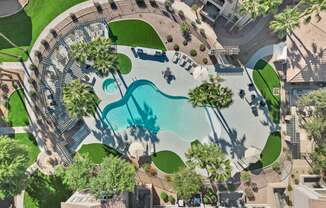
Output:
(238, 130)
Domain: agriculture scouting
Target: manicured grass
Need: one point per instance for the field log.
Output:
(271, 151)
(24, 27)
(266, 80)
(28, 141)
(124, 63)
(167, 161)
(18, 115)
(135, 33)
(45, 191)
(96, 152)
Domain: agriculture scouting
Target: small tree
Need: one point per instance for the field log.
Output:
(114, 177)
(186, 183)
(13, 165)
(164, 196)
(185, 29)
(245, 177)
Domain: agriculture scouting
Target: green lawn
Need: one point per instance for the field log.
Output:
(45, 191)
(18, 115)
(124, 63)
(270, 152)
(24, 27)
(135, 33)
(28, 141)
(97, 152)
(266, 80)
(167, 161)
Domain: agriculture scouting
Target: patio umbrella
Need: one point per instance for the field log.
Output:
(252, 155)
(136, 149)
(200, 73)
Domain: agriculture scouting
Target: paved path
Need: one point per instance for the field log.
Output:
(14, 130)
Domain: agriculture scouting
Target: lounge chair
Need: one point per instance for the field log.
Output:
(182, 60)
(176, 57)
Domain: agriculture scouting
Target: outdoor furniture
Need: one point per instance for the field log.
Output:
(241, 93)
(176, 57)
(183, 60)
(188, 64)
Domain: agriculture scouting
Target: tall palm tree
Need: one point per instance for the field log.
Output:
(79, 52)
(211, 93)
(254, 8)
(79, 99)
(314, 7)
(285, 22)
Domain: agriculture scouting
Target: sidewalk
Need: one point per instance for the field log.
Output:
(14, 130)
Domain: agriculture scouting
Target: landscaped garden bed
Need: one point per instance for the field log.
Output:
(45, 191)
(123, 33)
(24, 27)
(96, 152)
(28, 141)
(270, 153)
(17, 115)
(268, 83)
(167, 161)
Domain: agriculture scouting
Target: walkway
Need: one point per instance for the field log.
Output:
(14, 130)
(11, 7)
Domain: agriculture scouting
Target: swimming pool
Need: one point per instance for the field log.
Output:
(146, 106)
(110, 86)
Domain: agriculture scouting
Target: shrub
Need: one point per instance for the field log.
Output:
(290, 188)
(32, 67)
(202, 47)
(245, 176)
(171, 199)
(210, 197)
(193, 52)
(168, 4)
(276, 167)
(176, 47)
(185, 42)
(181, 14)
(296, 181)
(164, 196)
(249, 193)
(205, 60)
(202, 31)
(168, 178)
(169, 38)
(185, 29)
(194, 24)
(150, 169)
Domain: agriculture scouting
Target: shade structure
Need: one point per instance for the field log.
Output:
(200, 73)
(252, 155)
(280, 52)
(136, 149)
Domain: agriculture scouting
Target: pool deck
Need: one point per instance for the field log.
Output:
(238, 130)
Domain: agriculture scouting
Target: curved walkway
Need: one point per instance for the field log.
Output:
(11, 7)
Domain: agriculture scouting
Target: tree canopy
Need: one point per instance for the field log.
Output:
(285, 22)
(78, 175)
(115, 176)
(312, 109)
(319, 159)
(99, 53)
(110, 178)
(13, 165)
(211, 158)
(258, 8)
(211, 93)
(186, 183)
(79, 99)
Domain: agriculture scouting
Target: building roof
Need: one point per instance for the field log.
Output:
(307, 52)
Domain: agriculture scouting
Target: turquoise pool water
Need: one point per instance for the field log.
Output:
(144, 105)
(110, 86)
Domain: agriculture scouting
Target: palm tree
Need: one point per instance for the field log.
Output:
(211, 93)
(79, 99)
(79, 52)
(314, 7)
(285, 22)
(271, 5)
(254, 8)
